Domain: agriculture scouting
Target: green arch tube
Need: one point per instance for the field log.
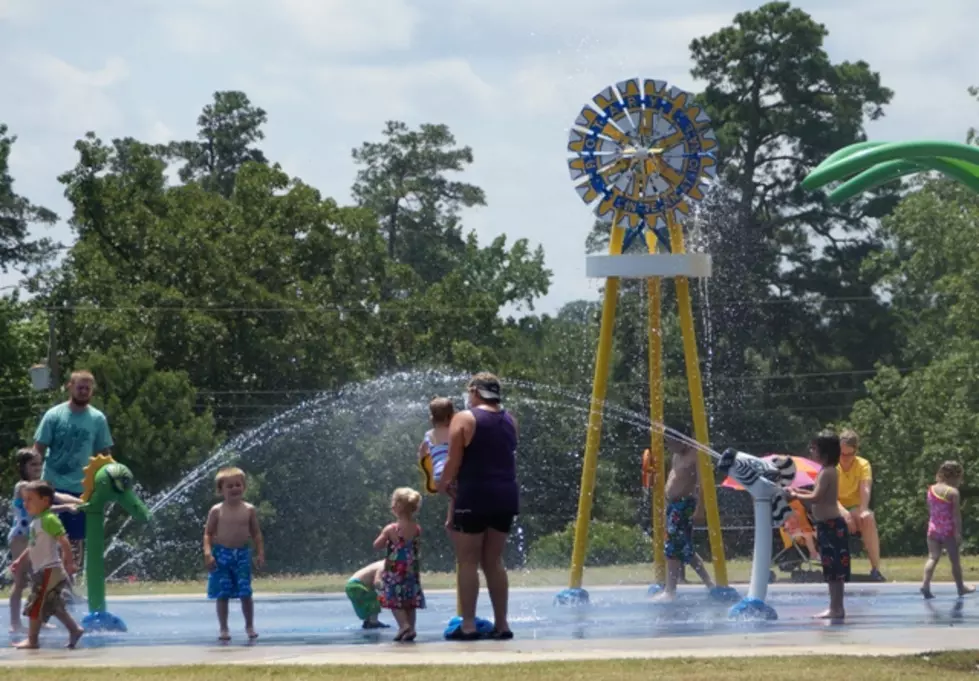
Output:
(866, 165)
(910, 151)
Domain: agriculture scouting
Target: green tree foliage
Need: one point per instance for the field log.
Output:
(226, 130)
(442, 301)
(784, 259)
(910, 423)
(158, 430)
(17, 215)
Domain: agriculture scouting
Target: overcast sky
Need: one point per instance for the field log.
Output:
(507, 76)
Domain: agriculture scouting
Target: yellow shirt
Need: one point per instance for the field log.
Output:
(849, 490)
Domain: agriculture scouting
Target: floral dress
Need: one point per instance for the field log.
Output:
(401, 587)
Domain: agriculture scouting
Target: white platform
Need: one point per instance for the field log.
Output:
(645, 265)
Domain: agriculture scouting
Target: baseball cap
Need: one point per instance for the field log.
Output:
(488, 387)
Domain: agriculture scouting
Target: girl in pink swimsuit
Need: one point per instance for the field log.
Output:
(945, 525)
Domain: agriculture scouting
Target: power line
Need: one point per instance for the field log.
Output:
(375, 308)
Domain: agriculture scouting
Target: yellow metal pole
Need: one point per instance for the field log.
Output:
(658, 505)
(698, 408)
(599, 388)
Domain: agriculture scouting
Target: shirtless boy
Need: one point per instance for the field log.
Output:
(683, 507)
(231, 525)
(832, 534)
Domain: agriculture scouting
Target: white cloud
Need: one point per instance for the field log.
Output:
(358, 26)
(416, 90)
(20, 10)
(64, 97)
(195, 33)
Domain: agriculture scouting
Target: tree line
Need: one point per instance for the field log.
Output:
(209, 304)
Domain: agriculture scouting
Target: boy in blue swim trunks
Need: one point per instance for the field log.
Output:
(362, 591)
(832, 534)
(231, 525)
(683, 507)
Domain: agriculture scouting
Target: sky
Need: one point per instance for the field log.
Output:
(507, 76)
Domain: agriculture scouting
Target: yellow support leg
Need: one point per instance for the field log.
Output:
(658, 505)
(599, 388)
(697, 406)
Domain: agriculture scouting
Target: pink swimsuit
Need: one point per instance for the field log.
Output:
(941, 525)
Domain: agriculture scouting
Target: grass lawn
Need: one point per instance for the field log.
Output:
(895, 569)
(947, 666)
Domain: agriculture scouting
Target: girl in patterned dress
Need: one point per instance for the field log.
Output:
(945, 525)
(29, 465)
(401, 588)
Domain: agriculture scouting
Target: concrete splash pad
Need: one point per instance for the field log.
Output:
(621, 622)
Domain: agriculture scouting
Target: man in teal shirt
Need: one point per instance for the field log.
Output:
(70, 434)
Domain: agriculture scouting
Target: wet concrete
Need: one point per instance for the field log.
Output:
(621, 622)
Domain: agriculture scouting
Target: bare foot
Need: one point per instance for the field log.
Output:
(664, 597)
(26, 645)
(830, 615)
(224, 636)
(74, 637)
(966, 590)
(252, 634)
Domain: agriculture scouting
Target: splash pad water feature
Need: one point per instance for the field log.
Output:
(643, 153)
(329, 427)
(292, 440)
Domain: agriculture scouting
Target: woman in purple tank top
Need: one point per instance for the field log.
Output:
(483, 464)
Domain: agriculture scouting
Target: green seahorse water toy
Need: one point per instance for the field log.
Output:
(106, 481)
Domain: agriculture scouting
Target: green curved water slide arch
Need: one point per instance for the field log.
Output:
(867, 165)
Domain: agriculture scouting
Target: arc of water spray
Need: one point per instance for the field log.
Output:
(869, 165)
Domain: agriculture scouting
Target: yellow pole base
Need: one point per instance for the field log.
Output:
(699, 410)
(599, 390)
(656, 407)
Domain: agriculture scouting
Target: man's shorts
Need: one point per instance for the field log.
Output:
(49, 589)
(833, 540)
(231, 576)
(477, 523)
(679, 528)
(363, 598)
(74, 522)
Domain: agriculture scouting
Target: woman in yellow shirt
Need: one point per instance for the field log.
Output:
(855, 481)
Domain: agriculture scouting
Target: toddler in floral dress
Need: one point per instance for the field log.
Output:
(401, 587)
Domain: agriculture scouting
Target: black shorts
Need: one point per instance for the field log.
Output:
(833, 539)
(477, 523)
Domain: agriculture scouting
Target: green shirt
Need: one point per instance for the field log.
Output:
(46, 529)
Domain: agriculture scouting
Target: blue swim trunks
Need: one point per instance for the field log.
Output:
(679, 528)
(231, 576)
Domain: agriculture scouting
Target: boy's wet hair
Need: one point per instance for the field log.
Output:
(23, 457)
(950, 471)
(229, 473)
(827, 445)
(441, 410)
(676, 444)
(41, 488)
(406, 499)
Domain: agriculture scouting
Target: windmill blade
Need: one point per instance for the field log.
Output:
(643, 150)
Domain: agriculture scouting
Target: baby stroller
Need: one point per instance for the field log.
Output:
(799, 550)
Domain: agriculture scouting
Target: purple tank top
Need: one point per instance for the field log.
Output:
(488, 475)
